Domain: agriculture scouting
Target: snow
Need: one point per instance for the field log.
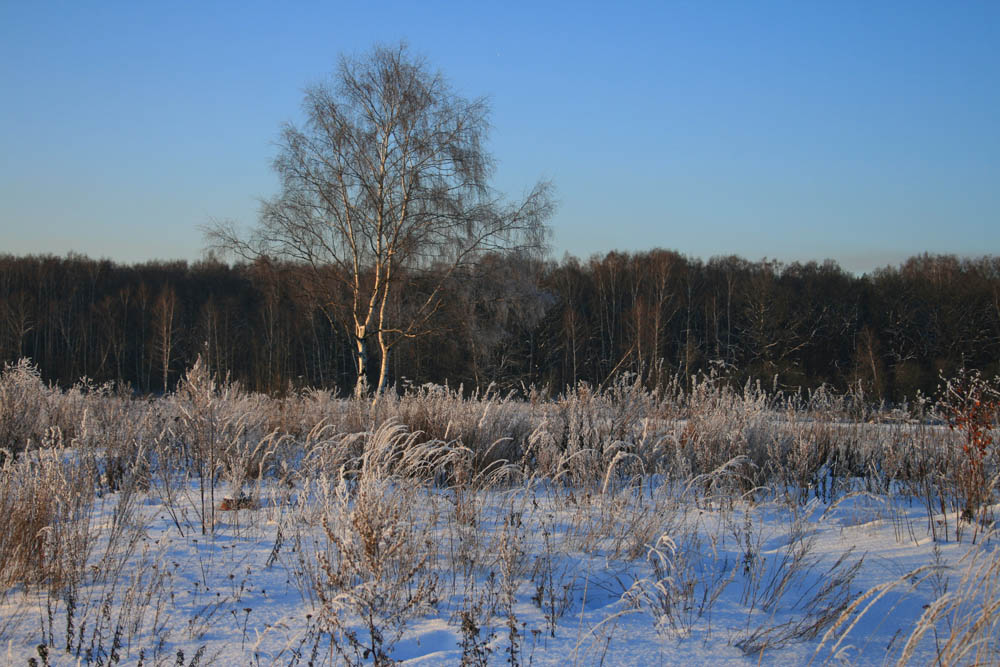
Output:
(644, 576)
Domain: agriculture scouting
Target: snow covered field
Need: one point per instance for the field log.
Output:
(614, 527)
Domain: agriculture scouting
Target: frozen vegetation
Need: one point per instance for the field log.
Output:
(690, 525)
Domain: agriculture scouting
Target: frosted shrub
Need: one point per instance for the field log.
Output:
(723, 425)
(378, 569)
(597, 433)
(311, 407)
(218, 425)
(45, 502)
(118, 431)
(971, 405)
(24, 407)
(493, 427)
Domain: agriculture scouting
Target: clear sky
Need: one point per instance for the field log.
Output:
(859, 131)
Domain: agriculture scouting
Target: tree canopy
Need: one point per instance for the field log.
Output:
(386, 188)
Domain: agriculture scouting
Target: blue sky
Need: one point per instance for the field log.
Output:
(860, 131)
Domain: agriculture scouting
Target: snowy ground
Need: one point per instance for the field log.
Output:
(615, 526)
(535, 573)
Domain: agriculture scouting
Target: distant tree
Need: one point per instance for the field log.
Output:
(113, 313)
(387, 182)
(165, 314)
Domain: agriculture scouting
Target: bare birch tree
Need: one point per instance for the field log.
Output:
(387, 181)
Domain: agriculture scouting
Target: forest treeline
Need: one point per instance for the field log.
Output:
(514, 322)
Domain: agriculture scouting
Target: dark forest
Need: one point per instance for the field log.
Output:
(515, 323)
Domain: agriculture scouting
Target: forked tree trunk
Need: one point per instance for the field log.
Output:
(383, 366)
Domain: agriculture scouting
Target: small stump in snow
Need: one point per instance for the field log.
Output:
(243, 502)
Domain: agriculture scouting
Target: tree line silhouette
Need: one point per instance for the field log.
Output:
(514, 321)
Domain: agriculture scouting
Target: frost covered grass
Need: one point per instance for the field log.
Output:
(604, 526)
